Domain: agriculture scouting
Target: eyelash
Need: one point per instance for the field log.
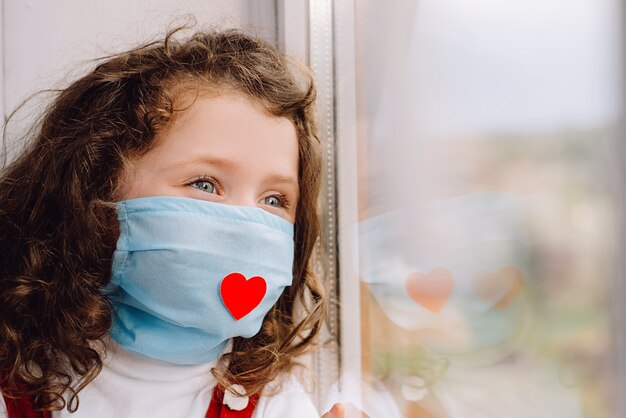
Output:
(284, 202)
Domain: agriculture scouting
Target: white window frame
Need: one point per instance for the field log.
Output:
(321, 33)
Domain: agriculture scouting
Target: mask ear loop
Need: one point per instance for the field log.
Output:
(120, 257)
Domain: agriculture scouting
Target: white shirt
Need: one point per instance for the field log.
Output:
(136, 386)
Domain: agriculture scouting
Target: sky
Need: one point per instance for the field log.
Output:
(490, 66)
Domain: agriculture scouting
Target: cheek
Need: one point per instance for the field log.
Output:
(125, 183)
(138, 180)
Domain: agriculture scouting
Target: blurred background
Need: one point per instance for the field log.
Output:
(489, 186)
(472, 194)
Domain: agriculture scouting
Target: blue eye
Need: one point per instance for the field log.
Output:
(274, 202)
(209, 185)
(205, 185)
(279, 201)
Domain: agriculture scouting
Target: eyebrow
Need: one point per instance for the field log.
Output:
(286, 180)
(206, 159)
(220, 162)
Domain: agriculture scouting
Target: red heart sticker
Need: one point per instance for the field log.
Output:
(241, 296)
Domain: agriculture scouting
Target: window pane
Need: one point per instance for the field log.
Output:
(487, 184)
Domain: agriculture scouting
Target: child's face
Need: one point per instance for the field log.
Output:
(225, 149)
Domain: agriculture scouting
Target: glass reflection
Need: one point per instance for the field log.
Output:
(487, 209)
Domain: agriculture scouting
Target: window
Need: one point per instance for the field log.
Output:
(477, 218)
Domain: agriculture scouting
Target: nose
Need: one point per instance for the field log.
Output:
(242, 198)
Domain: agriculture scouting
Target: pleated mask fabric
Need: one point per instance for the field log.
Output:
(187, 275)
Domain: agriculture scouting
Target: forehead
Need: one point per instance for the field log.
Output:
(232, 129)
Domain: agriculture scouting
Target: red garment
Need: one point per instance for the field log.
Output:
(22, 407)
(217, 409)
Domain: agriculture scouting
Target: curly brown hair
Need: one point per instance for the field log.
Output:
(58, 227)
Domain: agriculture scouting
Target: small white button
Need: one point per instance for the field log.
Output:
(234, 402)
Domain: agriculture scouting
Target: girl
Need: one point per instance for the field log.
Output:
(156, 238)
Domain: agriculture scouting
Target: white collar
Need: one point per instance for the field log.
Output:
(131, 366)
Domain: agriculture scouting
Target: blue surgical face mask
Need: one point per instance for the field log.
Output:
(189, 274)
